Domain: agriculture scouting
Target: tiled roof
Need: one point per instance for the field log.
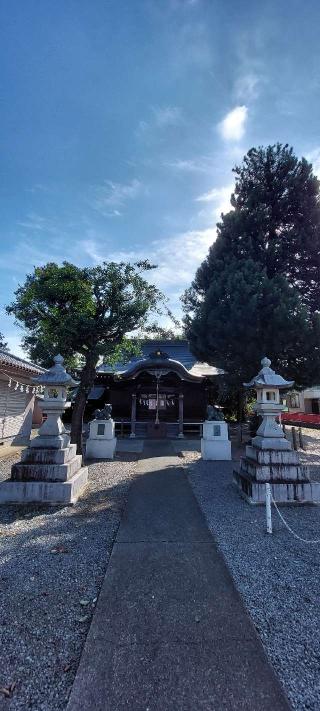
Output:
(176, 350)
(8, 360)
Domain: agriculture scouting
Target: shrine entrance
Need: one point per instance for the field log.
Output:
(163, 395)
(156, 396)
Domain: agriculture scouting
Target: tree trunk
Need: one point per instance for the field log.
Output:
(87, 379)
(241, 406)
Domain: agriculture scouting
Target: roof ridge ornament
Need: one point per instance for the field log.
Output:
(158, 355)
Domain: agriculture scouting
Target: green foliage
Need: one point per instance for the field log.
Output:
(85, 314)
(246, 315)
(275, 222)
(123, 352)
(258, 291)
(80, 311)
(3, 343)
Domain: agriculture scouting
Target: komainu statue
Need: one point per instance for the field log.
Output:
(214, 413)
(104, 414)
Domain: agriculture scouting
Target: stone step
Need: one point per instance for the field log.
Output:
(46, 472)
(274, 472)
(268, 456)
(49, 456)
(283, 493)
(45, 492)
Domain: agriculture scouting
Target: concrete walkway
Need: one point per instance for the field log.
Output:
(170, 630)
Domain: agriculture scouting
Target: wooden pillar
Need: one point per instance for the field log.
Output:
(180, 415)
(133, 415)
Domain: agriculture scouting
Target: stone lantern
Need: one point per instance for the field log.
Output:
(267, 385)
(50, 470)
(56, 380)
(270, 458)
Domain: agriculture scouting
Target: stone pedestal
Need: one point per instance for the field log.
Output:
(270, 458)
(215, 444)
(51, 475)
(101, 443)
(50, 471)
(290, 482)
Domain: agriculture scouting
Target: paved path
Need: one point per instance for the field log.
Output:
(170, 630)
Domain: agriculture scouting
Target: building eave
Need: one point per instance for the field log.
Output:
(152, 364)
(10, 362)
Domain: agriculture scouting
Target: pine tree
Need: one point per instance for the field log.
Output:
(275, 222)
(258, 291)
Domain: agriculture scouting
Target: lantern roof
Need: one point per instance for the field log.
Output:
(56, 375)
(268, 378)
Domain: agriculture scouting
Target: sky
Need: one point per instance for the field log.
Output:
(121, 121)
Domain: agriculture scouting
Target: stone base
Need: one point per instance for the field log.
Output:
(44, 492)
(298, 492)
(277, 473)
(49, 456)
(24, 471)
(216, 450)
(273, 466)
(101, 448)
(274, 443)
(61, 441)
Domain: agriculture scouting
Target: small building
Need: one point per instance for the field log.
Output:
(162, 393)
(306, 401)
(17, 398)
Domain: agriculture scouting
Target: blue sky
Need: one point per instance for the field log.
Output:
(121, 121)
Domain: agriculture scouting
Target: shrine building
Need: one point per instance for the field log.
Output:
(163, 392)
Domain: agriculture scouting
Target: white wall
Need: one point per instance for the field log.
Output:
(16, 409)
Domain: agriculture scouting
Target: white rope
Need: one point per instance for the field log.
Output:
(23, 387)
(304, 540)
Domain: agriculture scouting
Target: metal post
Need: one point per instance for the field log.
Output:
(133, 415)
(180, 435)
(268, 508)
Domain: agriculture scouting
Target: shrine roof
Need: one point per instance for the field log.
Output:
(174, 350)
(8, 360)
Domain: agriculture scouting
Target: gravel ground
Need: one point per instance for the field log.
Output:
(52, 565)
(277, 575)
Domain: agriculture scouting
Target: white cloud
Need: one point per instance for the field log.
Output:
(177, 259)
(90, 247)
(27, 254)
(162, 117)
(197, 165)
(110, 196)
(314, 158)
(187, 249)
(38, 223)
(232, 127)
(247, 87)
(220, 198)
(167, 116)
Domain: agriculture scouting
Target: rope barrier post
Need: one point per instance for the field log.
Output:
(294, 438)
(268, 508)
(301, 442)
